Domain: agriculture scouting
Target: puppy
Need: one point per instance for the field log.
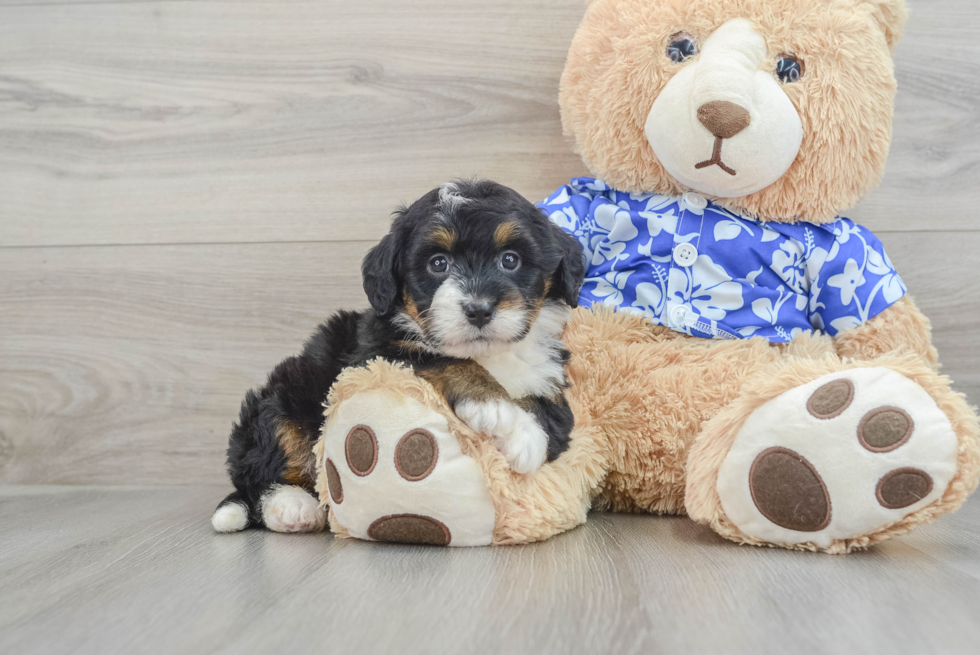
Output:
(472, 287)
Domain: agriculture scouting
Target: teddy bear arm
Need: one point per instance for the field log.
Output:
(394, 463)
(902, 326)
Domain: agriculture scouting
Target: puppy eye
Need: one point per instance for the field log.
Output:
(789, 69)
(682, 47)
(510, 261)
(439, 264)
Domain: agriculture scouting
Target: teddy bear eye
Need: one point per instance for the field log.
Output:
(789, 69)
(682, 47)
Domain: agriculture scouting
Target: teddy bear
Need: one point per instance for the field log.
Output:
(742, 354)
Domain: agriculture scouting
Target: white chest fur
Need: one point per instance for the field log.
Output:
(532, 366)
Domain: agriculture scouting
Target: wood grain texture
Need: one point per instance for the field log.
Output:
(139, 570)
(126, 365)
(267, 142)
(269, 121)
(281, 120)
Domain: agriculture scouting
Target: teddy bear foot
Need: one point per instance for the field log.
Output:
(395, 472)
(837, 459)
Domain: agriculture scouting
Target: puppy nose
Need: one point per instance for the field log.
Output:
(478, 313)
(723, 119)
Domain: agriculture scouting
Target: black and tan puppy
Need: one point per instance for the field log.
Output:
(472, 287)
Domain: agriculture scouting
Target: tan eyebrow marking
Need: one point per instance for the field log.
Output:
(443, 237)
(504, 233)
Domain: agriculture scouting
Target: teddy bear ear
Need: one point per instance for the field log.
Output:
(891, 15)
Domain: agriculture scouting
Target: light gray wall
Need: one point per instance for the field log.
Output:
(186, 189)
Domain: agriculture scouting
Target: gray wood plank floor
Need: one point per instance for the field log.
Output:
(138, 570)
(127, 365)
(176, 122)
(186, 189)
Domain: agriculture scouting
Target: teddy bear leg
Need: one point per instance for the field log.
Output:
(395, 472)
(395, 464)
(833, 456)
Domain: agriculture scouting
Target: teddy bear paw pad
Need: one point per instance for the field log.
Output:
(396, 473)
(841, 457)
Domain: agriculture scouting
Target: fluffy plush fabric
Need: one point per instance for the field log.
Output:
(527, 509)
(704, 503)
(904, 327)
(617, 67)
(657, 412)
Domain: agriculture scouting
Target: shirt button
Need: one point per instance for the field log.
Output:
(678, 316)
(695, 200)
(685, 254)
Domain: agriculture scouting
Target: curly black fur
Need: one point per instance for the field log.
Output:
(552, 270)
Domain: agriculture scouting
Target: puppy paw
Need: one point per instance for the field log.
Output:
(230, 517)
(287, 508)
(515, 433)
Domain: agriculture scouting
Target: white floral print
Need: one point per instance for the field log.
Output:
(750, 279)
(706, 286)
(609, 288)
(789, 264)
(613, 230)
(848, 281)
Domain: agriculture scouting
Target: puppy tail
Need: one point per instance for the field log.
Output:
(232, 514)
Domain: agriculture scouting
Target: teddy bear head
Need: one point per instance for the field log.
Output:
(779, 109)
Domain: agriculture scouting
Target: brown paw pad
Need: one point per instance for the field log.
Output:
(416, 454)
(333, 482)
(885, 429)
(410, 529)
(361, 448)
(788, 491)
(903, 487)
(830, 400)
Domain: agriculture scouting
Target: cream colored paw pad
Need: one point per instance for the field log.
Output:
(838, 458)
(396, 473)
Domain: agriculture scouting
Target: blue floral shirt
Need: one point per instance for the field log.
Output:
(690, 265)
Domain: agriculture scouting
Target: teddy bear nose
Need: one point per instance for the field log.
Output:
(723, 119)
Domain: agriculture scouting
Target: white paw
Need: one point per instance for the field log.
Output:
(838, 458)
(515, 433)
(232, 517)
(287, 508)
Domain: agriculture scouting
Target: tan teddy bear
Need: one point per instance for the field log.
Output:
(743, 355)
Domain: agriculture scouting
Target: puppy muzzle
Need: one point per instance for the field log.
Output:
(462, 325)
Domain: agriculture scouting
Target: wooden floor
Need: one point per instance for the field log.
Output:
(138, 570)
(186, 190)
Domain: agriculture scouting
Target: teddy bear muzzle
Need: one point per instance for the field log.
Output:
(746, 132)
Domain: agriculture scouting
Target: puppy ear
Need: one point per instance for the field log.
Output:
(379, 271)
(568, 278)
